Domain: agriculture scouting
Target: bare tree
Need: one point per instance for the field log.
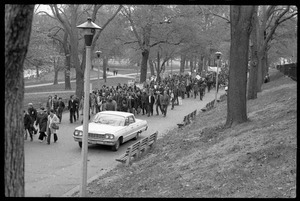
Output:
(240, 17)
(18, 19)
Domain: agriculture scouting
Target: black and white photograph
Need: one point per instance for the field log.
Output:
(150, 100)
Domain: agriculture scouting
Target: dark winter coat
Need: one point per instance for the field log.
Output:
(41, 121)
(27, 121)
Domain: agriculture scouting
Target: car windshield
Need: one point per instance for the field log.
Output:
(109, 119)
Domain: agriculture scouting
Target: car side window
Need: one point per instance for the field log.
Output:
(126, 122)
(131, 119)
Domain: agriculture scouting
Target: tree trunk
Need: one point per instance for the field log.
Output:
(145, 56)
(67, 71)
(191, 65)
(18, 19)
(37, 72)
(158, 68)
(105, 64)
(151, 67)
(182, 63)
(240, 17)
(55, 64)
(261, 65)
(252, 84)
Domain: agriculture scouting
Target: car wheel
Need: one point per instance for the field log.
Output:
(137, 136)
(80, 144)
(117, 145)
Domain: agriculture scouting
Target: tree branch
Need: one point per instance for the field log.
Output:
(275, 26)
(289, 17)
(46, 14)
(107, 22)
(129, 42)
(65, 24)
(224, 18)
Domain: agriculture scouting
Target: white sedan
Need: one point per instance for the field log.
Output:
(111, 128)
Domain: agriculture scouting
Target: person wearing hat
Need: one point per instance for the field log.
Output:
(42, 118)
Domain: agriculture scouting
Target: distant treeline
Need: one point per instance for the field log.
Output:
(289, 70)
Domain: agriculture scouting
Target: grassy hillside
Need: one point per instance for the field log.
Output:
(253, 159)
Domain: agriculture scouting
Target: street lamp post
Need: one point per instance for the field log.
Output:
(218, 55)
(89, 29)
(98, 52)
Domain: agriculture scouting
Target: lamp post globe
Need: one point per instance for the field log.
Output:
(218, 54)
(89, 29)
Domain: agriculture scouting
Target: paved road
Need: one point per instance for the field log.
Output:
(56, 168)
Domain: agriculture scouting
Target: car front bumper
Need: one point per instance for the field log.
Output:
(94, 141)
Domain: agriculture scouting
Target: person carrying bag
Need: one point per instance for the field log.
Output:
(52, 126)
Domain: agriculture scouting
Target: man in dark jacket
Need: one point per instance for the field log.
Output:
(33, 114)
(165, 100)
(144, 102)
(27, 125)
(109, 106)
(60, 108)
(41, 121)
(72, 108)
(150, 102)
(77, 101)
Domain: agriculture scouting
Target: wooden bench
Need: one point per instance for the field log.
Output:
(187, 119)
(137, 148)
(194, 114)
(208, 106)
(185, 122)
(222, 98)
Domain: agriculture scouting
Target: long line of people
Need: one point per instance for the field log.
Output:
(156, 94)
(153, 97)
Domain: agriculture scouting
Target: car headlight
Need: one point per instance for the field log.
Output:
(77, 133)
(109, 136)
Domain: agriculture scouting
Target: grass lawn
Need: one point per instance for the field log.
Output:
(253, 159)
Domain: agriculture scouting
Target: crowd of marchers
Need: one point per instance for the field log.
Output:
(151, 98)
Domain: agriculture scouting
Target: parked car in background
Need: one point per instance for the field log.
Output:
(111, 128)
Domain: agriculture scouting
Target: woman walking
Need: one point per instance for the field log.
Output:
(52, 126)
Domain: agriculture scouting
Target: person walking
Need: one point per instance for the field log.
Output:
(150, 102)
(60, 108)
(72, 108)
(41, 122)
(110, 106)
(196, 89)
(165, 100)
(172, 97)
(157, 102)
(55, 103)
(51, 129)
(144, 102)
(33, 114)
(49, 104)
(77, 101)
(27, 125)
